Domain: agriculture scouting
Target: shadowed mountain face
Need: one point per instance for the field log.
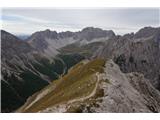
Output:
(14, 53)
(28, 66)
(26, 70)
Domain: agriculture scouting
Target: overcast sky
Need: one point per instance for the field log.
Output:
(121, 21)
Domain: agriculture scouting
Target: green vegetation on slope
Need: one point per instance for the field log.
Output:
(85, 50)
(60, 64)
(31, 81)
(79, 82)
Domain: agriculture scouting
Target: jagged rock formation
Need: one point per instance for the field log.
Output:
(91, 33)
(104, 89)
(49, 41)
(138, 53)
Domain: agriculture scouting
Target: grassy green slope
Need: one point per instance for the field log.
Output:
(86, 50)
(79, 82)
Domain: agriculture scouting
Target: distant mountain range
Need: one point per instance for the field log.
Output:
(92, 70)
(23, 37)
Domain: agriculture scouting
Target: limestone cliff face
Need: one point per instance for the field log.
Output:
(129, 92)
(114, 91)
(136, 53)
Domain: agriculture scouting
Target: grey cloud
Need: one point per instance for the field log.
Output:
(74, 19)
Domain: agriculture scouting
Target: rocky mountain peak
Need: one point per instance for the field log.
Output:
(66, 34)
(147, 32)
(12, 46)
(43, 34)
(129, 35)
(91, 29)
(7, 36)
(48, 30)
(90, 33)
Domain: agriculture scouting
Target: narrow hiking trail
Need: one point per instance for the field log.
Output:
(90, 95)
(62, 107)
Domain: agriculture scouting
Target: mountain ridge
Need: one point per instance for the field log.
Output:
(114, 91)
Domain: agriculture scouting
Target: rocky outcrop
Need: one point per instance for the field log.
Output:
(127, 92)
(48, 41)
(90, 33)
(136, 54)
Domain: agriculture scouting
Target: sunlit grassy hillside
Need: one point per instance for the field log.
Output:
(77, 83)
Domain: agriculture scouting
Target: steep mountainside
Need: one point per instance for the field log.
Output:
(49, 41)
(96, 86)
(15, 56)
(25, 67)
(140, 53)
